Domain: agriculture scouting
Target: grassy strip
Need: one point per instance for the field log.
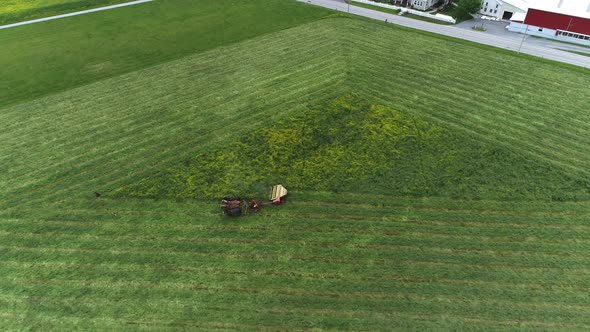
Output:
(31, 11)
(79, 50)
(560, 41)
(577, 52)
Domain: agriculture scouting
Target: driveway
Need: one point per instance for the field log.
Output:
(498, 28)
(501, 41)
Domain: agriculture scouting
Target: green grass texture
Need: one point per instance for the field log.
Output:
(58, 55)
(13, 11)
(352, 260)
(345, 262)
(350, 145)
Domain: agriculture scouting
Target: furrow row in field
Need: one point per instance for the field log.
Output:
(489, 208)
(301, 227)
(296, 218)
(294, 89)
(170, 154)
(552, 215)
(386, 212)
(464, 90)
(467, 227)
(403, 259)
(369, 284)
(446, 207)
(212, 69)
(307, 256)
(560, 146)
(172, 97)
(349, 306)
(555, 150)
(549, 215)
(329, 284)
(486, 61)
(305, 231)
(410, 88)
(402, 303)
(539, 151)
(210, 319)
(167, 123)
(215, 318)
(299, 216)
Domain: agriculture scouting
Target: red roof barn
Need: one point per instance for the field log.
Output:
(567, 20)
(557, 21)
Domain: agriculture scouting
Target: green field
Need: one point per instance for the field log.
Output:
(12, 11)
(502, 245)
(67, 53)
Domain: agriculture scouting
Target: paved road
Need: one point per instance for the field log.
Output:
(73, 14)
(462, 33)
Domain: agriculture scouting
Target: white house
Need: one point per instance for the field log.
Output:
(423, 4)
(503, 9)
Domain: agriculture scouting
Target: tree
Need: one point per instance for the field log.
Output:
(469, 6)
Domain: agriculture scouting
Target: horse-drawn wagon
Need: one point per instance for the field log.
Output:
(236, 206)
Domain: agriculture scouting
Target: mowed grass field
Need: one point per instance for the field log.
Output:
(66, 53)
(362, 261)
(12, 11)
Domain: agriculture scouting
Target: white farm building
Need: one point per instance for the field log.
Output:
(503, 9)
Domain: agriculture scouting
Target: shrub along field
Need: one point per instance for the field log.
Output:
(502, 244)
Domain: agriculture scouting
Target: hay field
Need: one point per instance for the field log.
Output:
(356, 260)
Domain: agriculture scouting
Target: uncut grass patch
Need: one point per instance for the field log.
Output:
(349, 144)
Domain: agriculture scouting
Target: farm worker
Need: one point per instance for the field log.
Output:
(253, 204)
